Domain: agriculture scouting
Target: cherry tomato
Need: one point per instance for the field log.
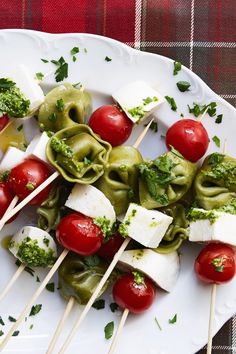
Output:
(215, 263)
(189, 137)
(133, 296)
(111, 124)
(110, 247)
(6, 197)
(78, 233)
(27, 176)
(3, 121)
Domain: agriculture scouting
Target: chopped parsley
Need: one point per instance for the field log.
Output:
(44, 60)
(52, 117)
(173, 320)
(108, 59)
(172, 102)
(104, 224)
(218, 264)
(113, 306)
(61, 72)
(92, 261)
(11, 319)
(219, 118)
(153, 126)
(20, 127)
(1, 321)
(87, 161)
(196, 214)
(158, 324)
(99, 304)
(138, 278)
(38, 280)
(224, 170)
(35, 309)
(177, 67)
(15, 334)
(74, 50)
(6, 83)
(216, 140)
(39, 76)
(61, 147)
(4, 176)
(183, 85)
(31, 326)
(1, 333)
(148, 100)
(50, 287)
(78, 85)
(46, 241)
(109, 329)
(60, 105)
(215, 158)
(30, 186)
(198, 109)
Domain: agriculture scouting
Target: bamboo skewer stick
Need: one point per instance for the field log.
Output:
(33, 299)
(60, 325)
(12, 281)
(118, 332)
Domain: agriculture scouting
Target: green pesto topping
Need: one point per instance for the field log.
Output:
(218, 264)
(215, 158)
(87, 161)
(39, 76)
(138, 278)
(138, 254)
(12, 100)
(32, 254)
(196, 214)
(154, 224)
(139, 111)
(30, 186)
(60, 105)
(46, 241)
(52, 117)
(104, 224)
(123, 227)
(4, 176)
(224, 170)
(60, 146)
(229, 208)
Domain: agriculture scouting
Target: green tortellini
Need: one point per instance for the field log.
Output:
(64, 107)
(165, 180)
(78, 154)
(177, 232)
(120, 180)
(215, 183)
(79, 277)
(49, 211)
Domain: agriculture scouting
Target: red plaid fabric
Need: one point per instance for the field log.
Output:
(199, 33)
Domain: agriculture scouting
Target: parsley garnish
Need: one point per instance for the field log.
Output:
(215, 158)
(26, 269)
(218, 264)
(153, 126)
(78, 85)
(60, 105)
(1, 321)
(158, 324)
(148, 100)
(39, 76)
(99, 304)
(15, 334)
(62, 71)
(52, 117)
(92, 260)
(108, 59)
(109, 329)
(44, 60)
(87, 161)
(74, 58)
(172, 102)
(113, 306)
(30, 186)
(4, 176)
(198, 109)
(35, 309)
(183, 85)
(50, 287)
(177, 67)
(38, 280)
(11, 319)
(173, 320)
(216, 140)
(6, 83)
(1, 333)
(138, 278)
(31, 326)
(20, 127)
(219, 119)
(74, 50)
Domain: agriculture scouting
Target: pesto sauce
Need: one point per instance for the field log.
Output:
(13, 101)
(225, 170)
(195, 215)
(123, 228)
(60, 146)
(104, 224)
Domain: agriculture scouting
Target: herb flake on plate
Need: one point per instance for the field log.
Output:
(109, 329)
(108, 59)
(1, 321)
(15, 334)
(219, 118)
(50, 287)
(183, 85)
(35, 309)
(173, 320)
(113, 306)
(99, 304)
(172, 102)
(216, 140)
(61, 72)
(158, 324)
(177, 67)
(11, 319)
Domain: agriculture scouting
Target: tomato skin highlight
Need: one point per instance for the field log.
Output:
(79, 234)
(26, 177)
(189, 137)
(109, 248)
(111, 124)
(136, 298)
(215, 264)
(4, 120)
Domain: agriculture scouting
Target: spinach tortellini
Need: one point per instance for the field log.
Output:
(165, 180)
(64, 107)
(215, 183)
(78, 154)
(49, 211)
(177, 232)
(79, 277)
(120, 180)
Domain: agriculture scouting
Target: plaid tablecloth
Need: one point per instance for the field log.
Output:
(199, 33)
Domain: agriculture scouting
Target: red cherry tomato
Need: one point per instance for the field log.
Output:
(110, 247)
(189, 137)
(27, 176)
(6, 197)
(215, 263)
(3, 121)
(132, 296)
(111, 124)
(78, 233)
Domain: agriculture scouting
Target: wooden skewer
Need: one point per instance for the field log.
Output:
(12, 281)
(33, 299)
(61, 323)
(213, 295)
(118, 332)
(142, 135)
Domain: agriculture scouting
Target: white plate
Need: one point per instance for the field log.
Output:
(190, 299)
